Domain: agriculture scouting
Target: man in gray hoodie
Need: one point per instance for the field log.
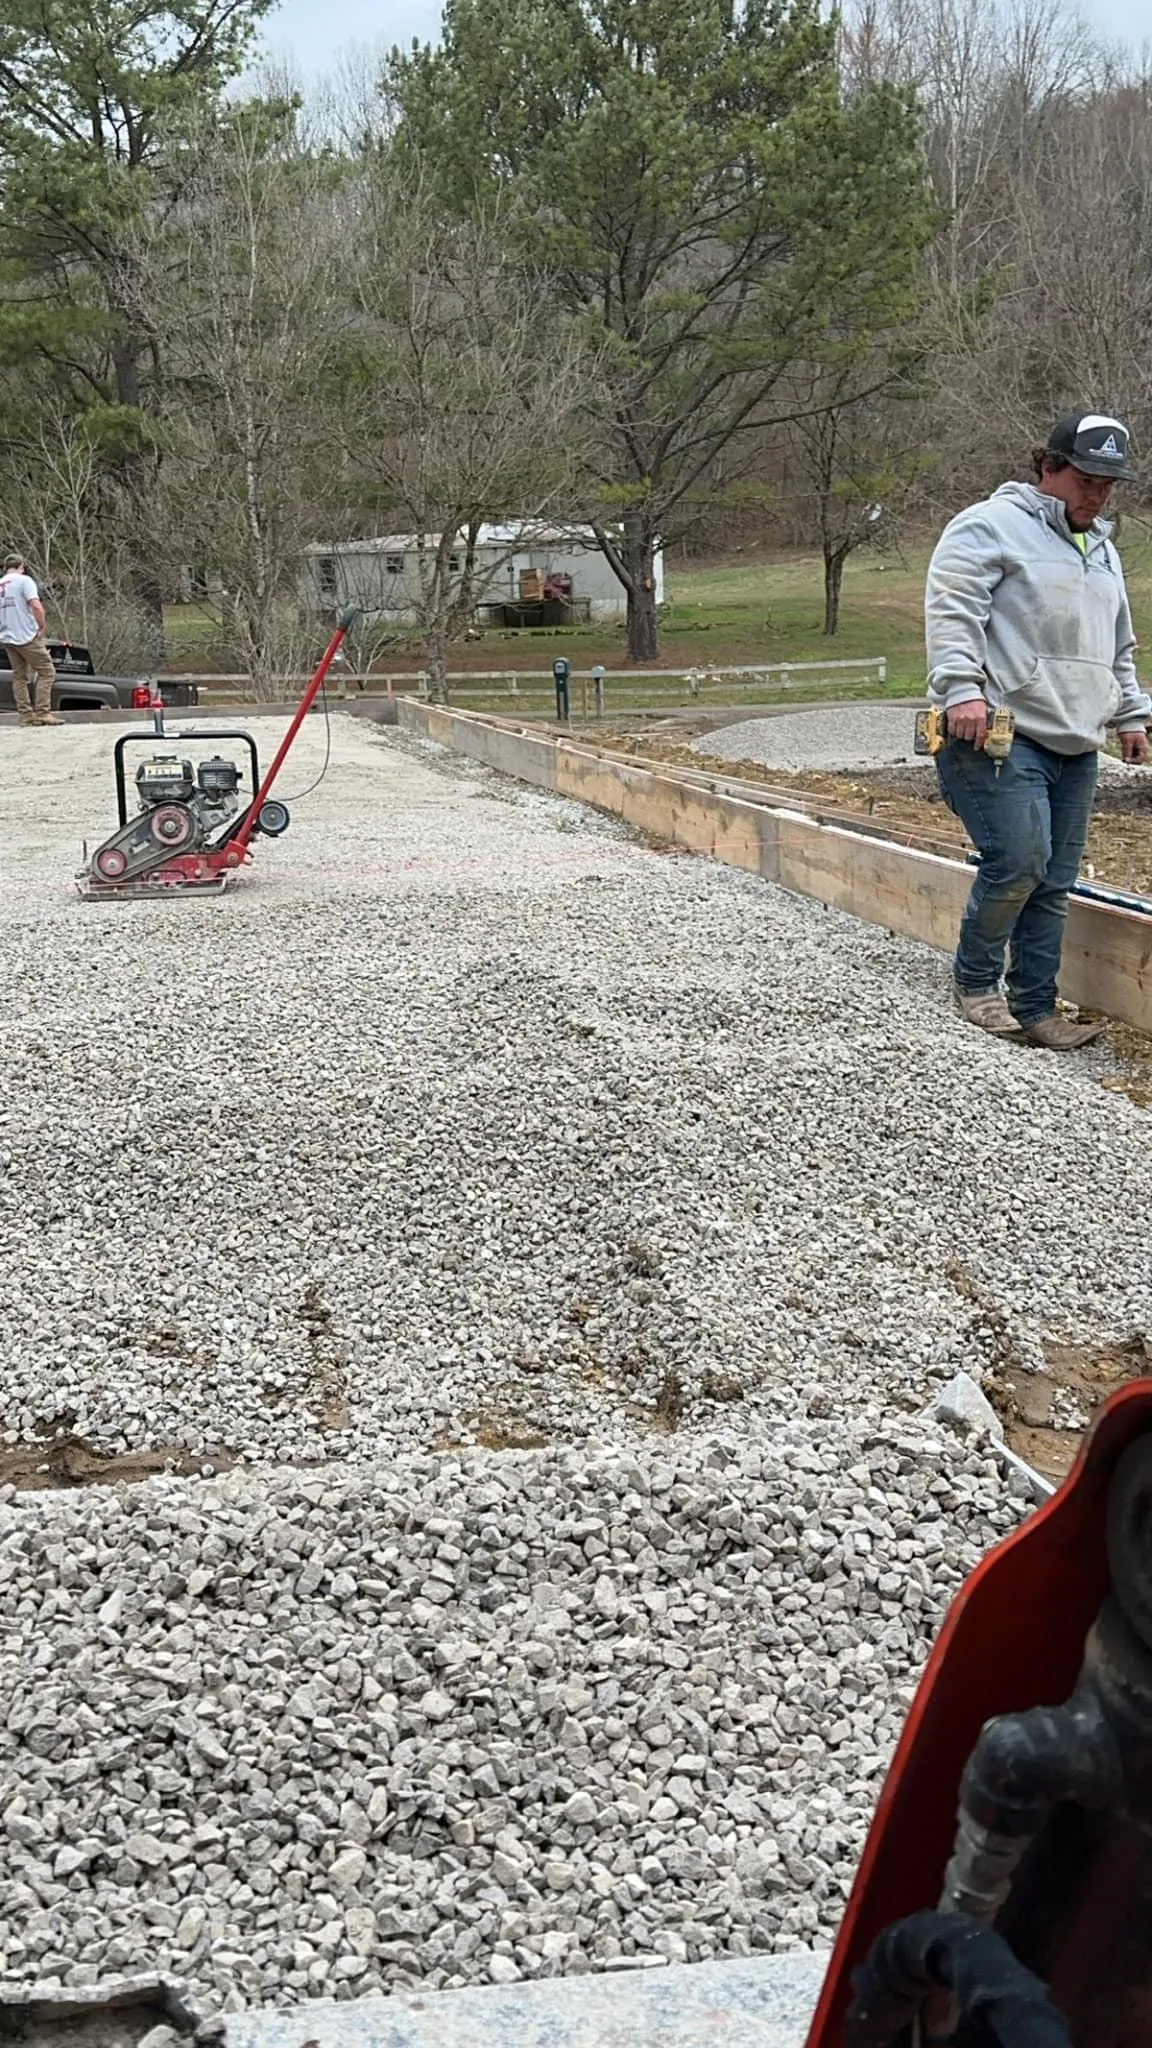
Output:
(1026, 606)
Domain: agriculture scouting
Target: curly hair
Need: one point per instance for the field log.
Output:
(1048, 462)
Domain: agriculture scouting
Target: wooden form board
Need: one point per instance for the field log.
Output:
(1107, 954)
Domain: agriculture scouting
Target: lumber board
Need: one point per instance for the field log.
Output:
(1107, 963)
(511, 749)
(919, 895)
(722, 827)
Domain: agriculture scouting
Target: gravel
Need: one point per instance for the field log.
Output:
(468, 1119)
(569, 1237)
(464, 1719)
(833, 737)
(861, 737)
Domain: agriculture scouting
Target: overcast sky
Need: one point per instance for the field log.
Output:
(314, 33)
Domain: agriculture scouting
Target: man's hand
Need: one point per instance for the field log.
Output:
(969, 721)
(1133, 747)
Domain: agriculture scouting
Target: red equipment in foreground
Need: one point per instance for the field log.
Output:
(190, 832)
(1033, 1723)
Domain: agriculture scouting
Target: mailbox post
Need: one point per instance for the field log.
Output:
(561, 670)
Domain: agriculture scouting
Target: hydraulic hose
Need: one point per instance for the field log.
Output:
(943, 1959)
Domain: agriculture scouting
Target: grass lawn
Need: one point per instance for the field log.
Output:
(736, 612)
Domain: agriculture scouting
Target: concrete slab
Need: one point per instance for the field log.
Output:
(761, 2002)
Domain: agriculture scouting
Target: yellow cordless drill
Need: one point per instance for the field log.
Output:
(932, 733)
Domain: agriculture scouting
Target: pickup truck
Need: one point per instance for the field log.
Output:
(79, 688)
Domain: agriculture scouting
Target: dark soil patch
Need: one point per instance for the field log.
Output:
(671, 1401)
(328, 1392)
(63, 1459)
(1045, 1413)
(496, 1433)
(509, 1433)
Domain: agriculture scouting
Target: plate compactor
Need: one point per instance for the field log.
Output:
(192, 828)
(1005, 1892)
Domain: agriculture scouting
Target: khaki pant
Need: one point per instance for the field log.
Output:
(31, 663)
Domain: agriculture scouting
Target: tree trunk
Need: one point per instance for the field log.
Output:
(258, 655)
(834, 560)
(640, 562)
(145, 580)
(436, 655)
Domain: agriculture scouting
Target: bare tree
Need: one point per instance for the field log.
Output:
(56, 509)
(857, 455)
(247, 279)
(992, 76)
(51, 470)
(1036, 144)
(1083, 259)
(474, 390)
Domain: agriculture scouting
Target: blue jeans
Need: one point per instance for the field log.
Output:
(1029, 825)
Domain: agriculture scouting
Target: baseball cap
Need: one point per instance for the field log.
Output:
(1094, 443)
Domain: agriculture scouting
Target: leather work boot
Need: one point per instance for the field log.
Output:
(46, 718)
(988, 1011)
(1060, 1034)
(28, 717)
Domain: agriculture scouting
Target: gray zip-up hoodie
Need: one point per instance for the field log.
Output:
(1016, 613)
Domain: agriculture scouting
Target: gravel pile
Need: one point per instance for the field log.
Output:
(464, 1719)
(467, 1120)
(467, 1125)
(835, 736)
(862, 737)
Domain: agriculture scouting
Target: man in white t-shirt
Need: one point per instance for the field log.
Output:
(22, 629)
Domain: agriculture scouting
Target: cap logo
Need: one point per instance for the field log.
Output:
(1108, 447)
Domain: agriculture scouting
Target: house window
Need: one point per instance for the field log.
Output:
(453, 565)
(393, 565)
(326, 576)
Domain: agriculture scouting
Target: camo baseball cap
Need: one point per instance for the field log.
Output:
(1095, 444)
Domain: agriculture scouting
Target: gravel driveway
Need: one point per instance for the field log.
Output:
(579, 1231)
(863, 737)
(832, 737)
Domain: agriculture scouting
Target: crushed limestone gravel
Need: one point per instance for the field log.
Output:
(465, 1123)
(832, 737)
(467, 1118)
(862, 737)
(464, 1719)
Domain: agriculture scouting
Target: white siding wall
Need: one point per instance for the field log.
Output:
(368, 578)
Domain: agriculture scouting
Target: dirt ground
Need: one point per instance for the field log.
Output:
(63, 1459)
(1045, 1413)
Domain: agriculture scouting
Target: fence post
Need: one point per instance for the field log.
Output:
(598, 689)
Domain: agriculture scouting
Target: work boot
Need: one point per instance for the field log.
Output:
(988, 1011)
(45, 718)
(1060, 1034)
(28, 716)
